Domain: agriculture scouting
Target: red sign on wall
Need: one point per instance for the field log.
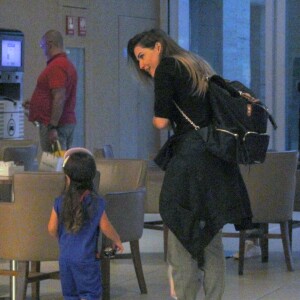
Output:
(70, 25)
(81, 26)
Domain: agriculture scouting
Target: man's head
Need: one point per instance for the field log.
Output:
(52, 43)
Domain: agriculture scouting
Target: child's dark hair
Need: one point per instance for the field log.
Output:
(81, 169)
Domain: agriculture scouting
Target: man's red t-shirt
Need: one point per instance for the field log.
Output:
(59, 73)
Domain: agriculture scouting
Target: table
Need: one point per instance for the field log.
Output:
(8, 180)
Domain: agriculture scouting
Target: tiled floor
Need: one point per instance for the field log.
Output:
(268, 281)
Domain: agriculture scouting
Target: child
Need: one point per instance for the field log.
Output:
(75, 220)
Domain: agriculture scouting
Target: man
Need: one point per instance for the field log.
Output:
(52, 105)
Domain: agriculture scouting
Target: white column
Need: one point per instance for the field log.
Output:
(164, 15)
(180, 22)
(175, 20)
(236, 40)
(184, 21)
(275, 69)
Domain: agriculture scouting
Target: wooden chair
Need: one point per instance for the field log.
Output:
(24, 155)
(15, 143)
(123, 185)
(271, 188)
(105, 152)
(23, 228)
(36, 265)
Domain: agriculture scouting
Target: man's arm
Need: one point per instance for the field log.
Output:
(58, 103)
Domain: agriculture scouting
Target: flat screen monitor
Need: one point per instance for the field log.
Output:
(11, 50)
(11, 54)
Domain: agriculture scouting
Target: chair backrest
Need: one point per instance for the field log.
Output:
(108, 151)
(121, 174)
(23, 142)
(271, 187)
(123, 185)
(24, 155)
(105, 152)
(23, 222)
(15, 143)
(96, 181)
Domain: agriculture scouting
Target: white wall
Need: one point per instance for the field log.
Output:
(35, 17)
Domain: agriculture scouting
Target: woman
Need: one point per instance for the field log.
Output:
(200, 192)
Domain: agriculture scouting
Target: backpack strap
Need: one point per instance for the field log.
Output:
(196, 127)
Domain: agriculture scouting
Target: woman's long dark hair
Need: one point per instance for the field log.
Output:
(81, 169)
(196, 66)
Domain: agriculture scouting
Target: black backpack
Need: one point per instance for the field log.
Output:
(239, 129)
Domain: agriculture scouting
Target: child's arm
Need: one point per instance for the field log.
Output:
(53, 223)
(109, 231)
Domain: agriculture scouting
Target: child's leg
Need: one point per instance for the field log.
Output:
(68, 284)
(88, 280)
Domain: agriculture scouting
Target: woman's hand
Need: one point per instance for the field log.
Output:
(160, 123)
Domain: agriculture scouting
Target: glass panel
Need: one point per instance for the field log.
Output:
(292, 73)
(230, 35)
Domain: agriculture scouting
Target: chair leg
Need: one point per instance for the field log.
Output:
(105, 270)
(242, 251)
(35, 286)
(264, 243)
(290, 223)
(136, 257)
(21, 279)
(286, 245)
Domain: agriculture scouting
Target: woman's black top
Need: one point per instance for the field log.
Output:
(200, 192)
(172, 83)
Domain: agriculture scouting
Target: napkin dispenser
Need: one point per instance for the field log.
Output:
(8, 168)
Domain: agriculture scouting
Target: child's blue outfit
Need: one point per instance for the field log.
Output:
(80, 271)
